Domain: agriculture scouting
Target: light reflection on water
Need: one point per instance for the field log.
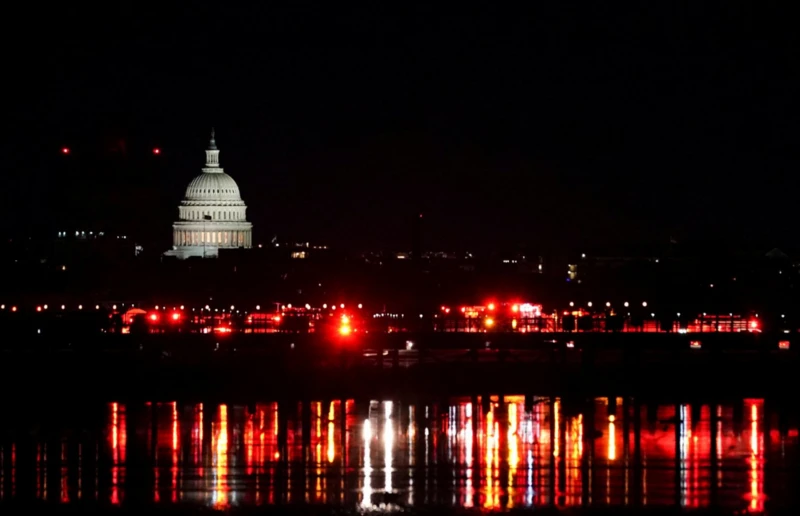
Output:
(501, 452)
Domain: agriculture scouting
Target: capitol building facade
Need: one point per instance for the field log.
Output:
(212, 214)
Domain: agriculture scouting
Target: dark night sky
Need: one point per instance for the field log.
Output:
(559, 127)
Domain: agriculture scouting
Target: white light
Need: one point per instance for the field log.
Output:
(583, 255)
(114, 307)
(679, 314)
(341, 306)
(644, 304)
(63, 307)
(2, 307)
(181, 307)
(324, 306)
(626, 304)
(571, 303)
(589, 304)
(45, 307)
(420, 316)
(232, 307)
(360, 306)
(156, 307)
(409, 345)
(97, 307)
(80, 307)
(208, 307)
(608, 304)
(258, 307)
(308, 306)
(289, 306)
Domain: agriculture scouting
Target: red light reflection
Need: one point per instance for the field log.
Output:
(220, 447)
(118, 437)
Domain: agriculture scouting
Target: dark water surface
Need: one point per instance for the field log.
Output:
(488, 453)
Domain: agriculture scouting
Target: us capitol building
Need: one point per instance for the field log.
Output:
(212, 214)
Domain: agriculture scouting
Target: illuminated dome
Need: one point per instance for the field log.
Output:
(213, 187)
(212, 213)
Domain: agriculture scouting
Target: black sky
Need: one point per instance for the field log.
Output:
(560, 126)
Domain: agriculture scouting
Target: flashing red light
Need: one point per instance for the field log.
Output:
(344, 329)
(277, 318)
(65, 150)
(491, 306)
(695, 344)
(515, 308)
(222, 329)
(447, 310)
(753, 325)
(38, 308)
(463, 309)
(154, 317)
(176, 316)
(784, 344)
(156, 151)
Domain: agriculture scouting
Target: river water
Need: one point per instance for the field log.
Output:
(492, 452)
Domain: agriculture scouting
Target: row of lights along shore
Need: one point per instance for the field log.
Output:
(289, 306)
(608, 304)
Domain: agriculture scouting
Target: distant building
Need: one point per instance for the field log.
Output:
(212, 214)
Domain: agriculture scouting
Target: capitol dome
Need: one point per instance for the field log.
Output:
(213, 187)
(212, 213)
